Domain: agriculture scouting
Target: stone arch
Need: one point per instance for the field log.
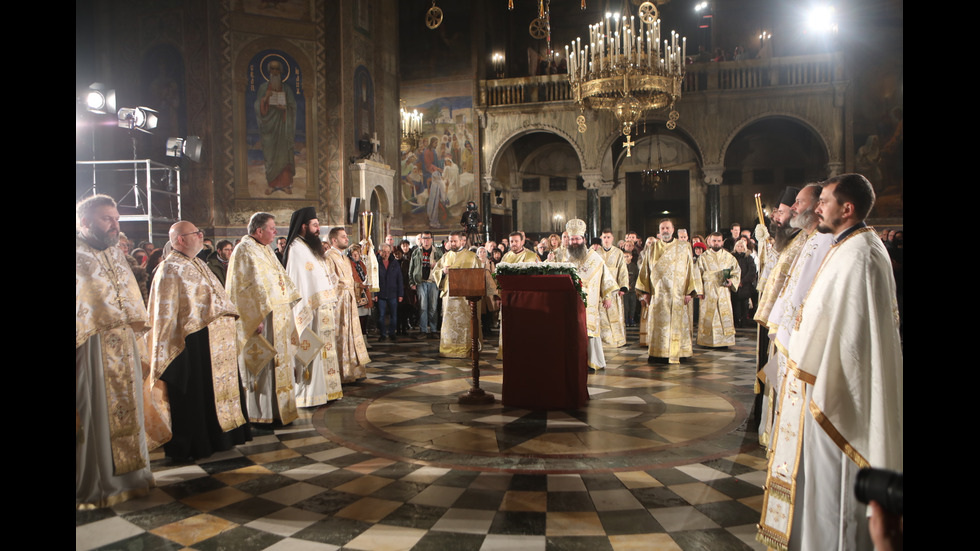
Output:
(805, 123)
(680, 132)
(380, 203)
(530, 129)
(537, 153)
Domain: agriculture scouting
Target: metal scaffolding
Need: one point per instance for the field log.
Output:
(146, 191)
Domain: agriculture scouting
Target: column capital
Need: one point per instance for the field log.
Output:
(592, 178)
(713, 174)
(834, 168)
(606, 189)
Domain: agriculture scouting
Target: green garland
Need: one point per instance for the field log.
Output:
(543, 268)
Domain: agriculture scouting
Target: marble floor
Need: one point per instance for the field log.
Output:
(662, 457)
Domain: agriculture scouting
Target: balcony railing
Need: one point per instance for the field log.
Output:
(752, 74)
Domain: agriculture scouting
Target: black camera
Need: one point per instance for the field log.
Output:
(881, 485)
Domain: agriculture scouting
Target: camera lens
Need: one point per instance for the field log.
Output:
(885, 487)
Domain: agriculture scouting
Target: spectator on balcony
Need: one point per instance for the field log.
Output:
(703, 55)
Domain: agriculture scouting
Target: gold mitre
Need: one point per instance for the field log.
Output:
(575, 226)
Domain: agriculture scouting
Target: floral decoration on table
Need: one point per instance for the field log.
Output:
(543, 268)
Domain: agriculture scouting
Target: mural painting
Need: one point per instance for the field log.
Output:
(441, 173)
(275, 113)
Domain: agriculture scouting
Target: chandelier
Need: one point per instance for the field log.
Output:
(653, 178)
(411, 127)
(624, 68)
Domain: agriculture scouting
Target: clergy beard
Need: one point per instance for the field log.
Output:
(275, 83)
(101, 240)
(576, 252)
(781, 234)
(313, 241)
(716, 248)
(804, 219)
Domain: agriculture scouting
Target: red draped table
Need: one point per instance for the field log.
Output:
(544, 340)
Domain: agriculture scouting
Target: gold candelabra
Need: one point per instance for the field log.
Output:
(624, 68)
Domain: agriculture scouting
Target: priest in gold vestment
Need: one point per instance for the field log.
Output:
(456, 335)
(351, 351)
(269, 304)
(667, 280)
(193, 350)
(111, 459)
(788, 243)
(717, 325)
(598, 284)
(612, 321)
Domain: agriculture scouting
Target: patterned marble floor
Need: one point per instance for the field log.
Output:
(662, 457)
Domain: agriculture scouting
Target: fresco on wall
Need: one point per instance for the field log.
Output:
(163, 89)
(441, 174)
(881, 159)
(879, 118)
(275, 118)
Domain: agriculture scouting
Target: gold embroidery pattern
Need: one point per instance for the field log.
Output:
(717, 327)
(224, 369)
(124, 428)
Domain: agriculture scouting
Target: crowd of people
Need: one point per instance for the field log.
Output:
(206, 341)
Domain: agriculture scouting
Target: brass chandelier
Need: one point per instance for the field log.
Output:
(626, 69)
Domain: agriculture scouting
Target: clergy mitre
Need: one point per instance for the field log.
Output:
(575, 226)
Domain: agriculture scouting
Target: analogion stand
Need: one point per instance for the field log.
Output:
(471, 284)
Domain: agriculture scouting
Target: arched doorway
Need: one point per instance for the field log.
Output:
(537, 185)
(380, 208)
(764, 157)
(660, 179)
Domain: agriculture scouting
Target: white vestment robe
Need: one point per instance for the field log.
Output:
(846, 352)
(319, 381)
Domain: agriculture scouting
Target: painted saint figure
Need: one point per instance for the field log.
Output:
(275, 112)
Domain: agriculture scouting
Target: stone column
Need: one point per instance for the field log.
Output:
(712, 177)
(515, 195)
(592, 182)
(486, 201)
(605, 205)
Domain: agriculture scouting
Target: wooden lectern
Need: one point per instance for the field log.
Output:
(536, 309)
(472, 284)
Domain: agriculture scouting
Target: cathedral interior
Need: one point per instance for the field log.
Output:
(298, 103)
(801, 105)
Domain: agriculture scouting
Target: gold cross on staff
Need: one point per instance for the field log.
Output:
(629, 145)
